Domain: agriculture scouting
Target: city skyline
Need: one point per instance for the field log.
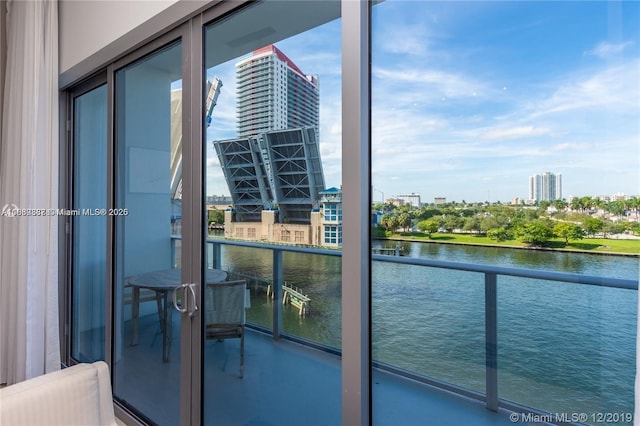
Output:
(469, 100)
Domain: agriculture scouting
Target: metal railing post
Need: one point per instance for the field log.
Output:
(277, 293)
(208, 254)
(216, 249)
(491, 339)
(173, 252)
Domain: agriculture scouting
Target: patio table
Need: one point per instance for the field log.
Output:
(163, 283)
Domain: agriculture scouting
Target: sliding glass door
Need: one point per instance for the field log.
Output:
(221, 167)
(147, 216)
(88, 274)
(272, 146)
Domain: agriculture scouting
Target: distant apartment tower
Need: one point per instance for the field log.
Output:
(545, 187)
(274, 94)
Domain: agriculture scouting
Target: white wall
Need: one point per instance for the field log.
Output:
(93, 33)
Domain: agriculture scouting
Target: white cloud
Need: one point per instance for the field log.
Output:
(513, 132)
(571, 147)
(606, 50)
(429, 83)
(410, 39)
(612, 89)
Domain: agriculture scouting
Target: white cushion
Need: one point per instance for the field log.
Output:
(78, 395)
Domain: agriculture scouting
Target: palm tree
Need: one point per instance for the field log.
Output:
(560, 205)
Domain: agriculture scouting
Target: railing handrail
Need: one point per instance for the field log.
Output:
(621, 283)
(517, 272)
(283, 247)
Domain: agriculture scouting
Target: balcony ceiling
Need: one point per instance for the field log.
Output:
(262, 24)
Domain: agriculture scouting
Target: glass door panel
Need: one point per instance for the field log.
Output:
(90, 226)
(148, 146)
(273, 179)
(505, 137)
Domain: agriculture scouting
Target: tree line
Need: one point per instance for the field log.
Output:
(583, 217)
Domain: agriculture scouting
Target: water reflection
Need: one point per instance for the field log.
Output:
(547, 260)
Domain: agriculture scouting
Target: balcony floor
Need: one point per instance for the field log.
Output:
(284, 383)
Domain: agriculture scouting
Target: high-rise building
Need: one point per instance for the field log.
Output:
(274, 94)
(545, 187)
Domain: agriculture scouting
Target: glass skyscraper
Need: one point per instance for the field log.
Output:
(274, 94)
(545, 187)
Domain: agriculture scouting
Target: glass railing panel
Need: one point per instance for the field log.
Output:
(574, 341)
(566, 348)
(430, 322)
(312, 288)
(256, 267)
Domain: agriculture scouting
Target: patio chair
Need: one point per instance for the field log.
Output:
(225, 313)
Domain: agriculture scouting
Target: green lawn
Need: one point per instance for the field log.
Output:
(600, 245)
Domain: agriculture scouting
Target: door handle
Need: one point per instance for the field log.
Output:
(186, 308)
(181, 287)
(194, 302)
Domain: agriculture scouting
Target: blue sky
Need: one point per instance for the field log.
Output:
(471, 98)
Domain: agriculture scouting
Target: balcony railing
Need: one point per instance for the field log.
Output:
(490, 396)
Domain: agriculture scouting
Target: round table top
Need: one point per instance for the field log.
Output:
(171, 278)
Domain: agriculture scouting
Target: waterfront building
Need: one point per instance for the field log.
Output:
(412, 199)
(331, 217)
(274, 94)
(545, 187)
(324, 227)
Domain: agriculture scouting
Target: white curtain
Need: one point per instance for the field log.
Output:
(29, 331)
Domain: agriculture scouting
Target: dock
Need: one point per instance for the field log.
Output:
(294, 297)
(396, 251)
